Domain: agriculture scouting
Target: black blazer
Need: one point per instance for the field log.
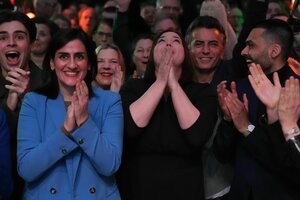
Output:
(258, 174)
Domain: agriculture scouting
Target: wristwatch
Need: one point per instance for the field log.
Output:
(292, 131)
(249, 130)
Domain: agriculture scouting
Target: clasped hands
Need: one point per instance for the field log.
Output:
(19, 79)
(166, 72)
(77, 112)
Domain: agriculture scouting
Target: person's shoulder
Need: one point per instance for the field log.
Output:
(102, 94)
(34, 97)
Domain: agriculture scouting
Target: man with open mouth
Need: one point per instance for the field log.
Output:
(18, 75)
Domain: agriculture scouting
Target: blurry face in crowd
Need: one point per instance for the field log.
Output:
(170, 8)
(108, 60)
(141, 55)
(166, 24)
(103, 34)
(46, 8)
(207, 46)
(257, 50)
(88, 20)
(43, 38)
(70, 64)
(148, 14)
(236, 18)
(62, 24)
(296, 43)
(173, 42)
(14, 45)
(273, 9)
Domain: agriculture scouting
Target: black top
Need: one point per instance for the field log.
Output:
(162, 161)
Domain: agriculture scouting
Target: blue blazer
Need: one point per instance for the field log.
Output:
(55, 166)
(6, 182)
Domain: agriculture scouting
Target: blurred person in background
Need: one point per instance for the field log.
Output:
(111, 68)
(61, 21)
(45, 31)
(103, 33)
(87, 19)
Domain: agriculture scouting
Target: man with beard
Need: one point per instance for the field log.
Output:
(18, 74)
(241, 136)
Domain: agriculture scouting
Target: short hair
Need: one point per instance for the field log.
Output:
(60, 39)
(142, 36)
(204, 22)
(280, 32)
(107, 21)
(161, 17)
(116, 48)
(9, 16)
(187, 65)
(51, 25)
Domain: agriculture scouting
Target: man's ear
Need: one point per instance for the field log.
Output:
(275, 50)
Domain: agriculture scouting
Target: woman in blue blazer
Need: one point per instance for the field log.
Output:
(70, 134)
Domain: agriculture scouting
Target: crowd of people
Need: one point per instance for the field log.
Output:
(150, 99)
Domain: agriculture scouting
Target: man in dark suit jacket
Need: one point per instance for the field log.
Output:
(241, 137)
(18, 75)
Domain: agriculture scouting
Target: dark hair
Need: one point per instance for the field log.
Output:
(187, 65)
(280, 32)
(142, 36)
(159, 17)
(204, 22)
(107, 21)
(51, 25)
(60, 39)
(9, 16)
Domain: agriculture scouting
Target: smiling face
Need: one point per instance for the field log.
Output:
(257, 49)
(70, 64)
(207, 47)
(42, 41)
(14, 45)
(141, 54)
(169, 40)
(107, 60)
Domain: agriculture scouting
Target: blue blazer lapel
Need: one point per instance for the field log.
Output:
(57, 111)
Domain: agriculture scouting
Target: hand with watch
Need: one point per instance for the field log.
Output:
(289, 111)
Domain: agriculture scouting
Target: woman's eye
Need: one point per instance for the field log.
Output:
(63, 57)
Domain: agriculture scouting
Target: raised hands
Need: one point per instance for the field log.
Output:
(20, 80)
(232, 107)
(117, 80)
(165, 64)
(77, 112)
(289, 105)
(267, 92)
